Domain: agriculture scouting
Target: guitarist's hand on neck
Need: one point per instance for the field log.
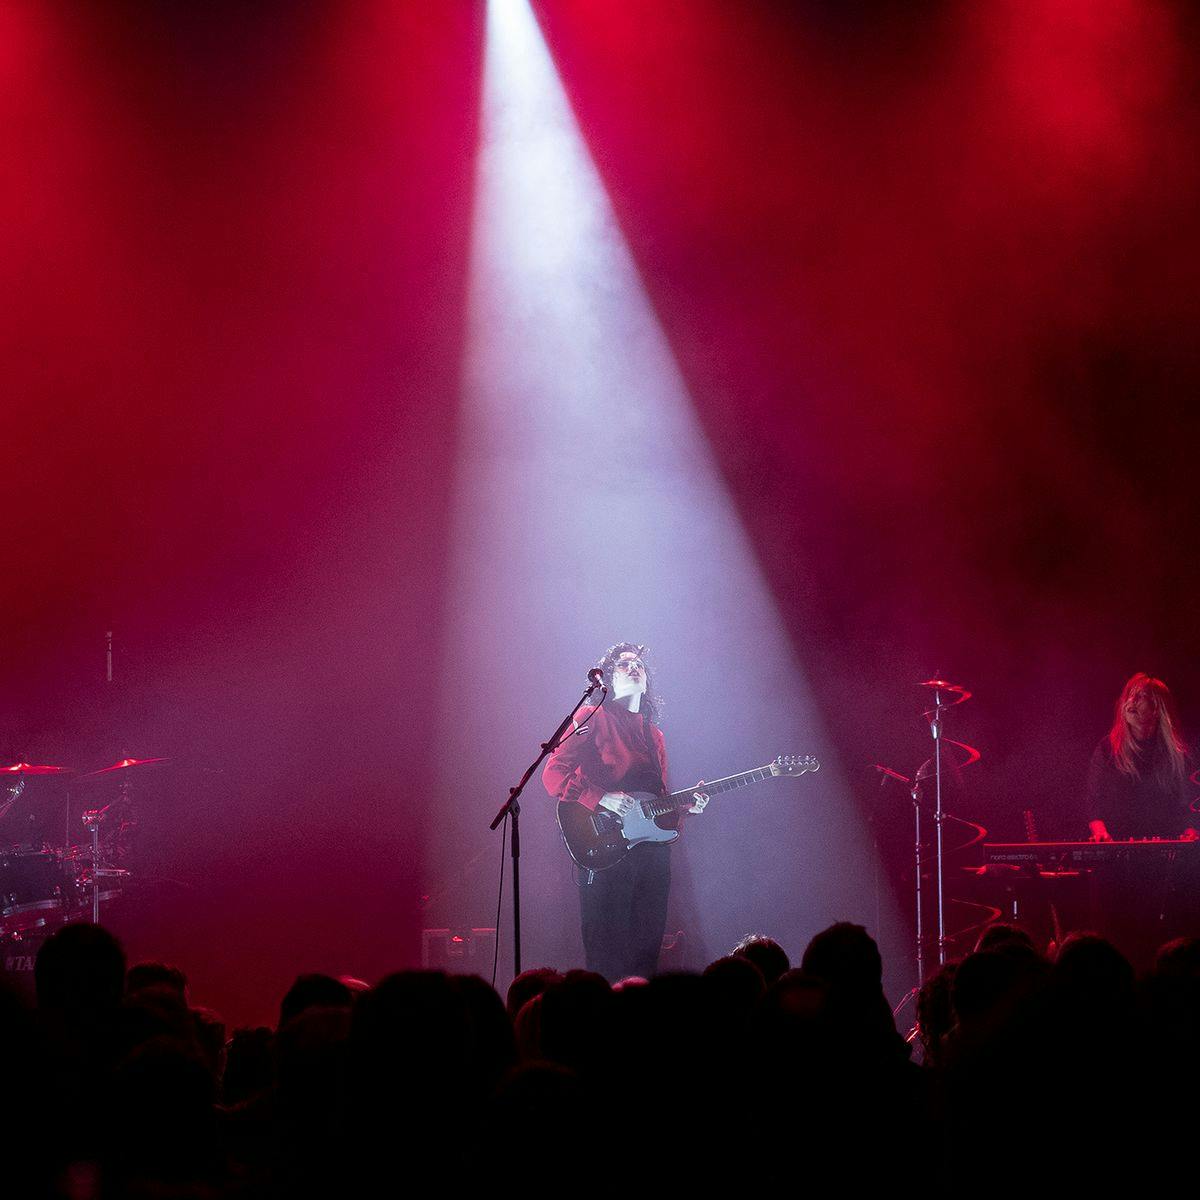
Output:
(629, 681)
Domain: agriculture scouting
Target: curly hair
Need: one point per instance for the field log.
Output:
(652, 704)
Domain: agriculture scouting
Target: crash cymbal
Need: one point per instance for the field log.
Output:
(24, 768)
(941, 685)
(124, 765)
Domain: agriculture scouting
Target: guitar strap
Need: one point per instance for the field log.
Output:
(652, 753)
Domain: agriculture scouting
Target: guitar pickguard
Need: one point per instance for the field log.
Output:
(637, 828)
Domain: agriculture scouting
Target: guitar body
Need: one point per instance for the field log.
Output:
(599, 840)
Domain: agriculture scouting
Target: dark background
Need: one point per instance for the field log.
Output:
(930, 273)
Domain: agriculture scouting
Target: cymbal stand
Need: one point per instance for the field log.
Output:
(916, 799)
(910, 997)
(92, 819)
(945, 695)
(935, 729)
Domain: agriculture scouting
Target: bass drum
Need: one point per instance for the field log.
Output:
(32, 891)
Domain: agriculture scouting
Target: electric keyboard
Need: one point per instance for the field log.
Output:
(1082, 855)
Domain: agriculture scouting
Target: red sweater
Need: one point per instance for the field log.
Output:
(620, 752)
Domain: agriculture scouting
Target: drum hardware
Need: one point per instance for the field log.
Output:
(92, 820)
(934, 716)
(32, 892)
(44, 886)
(10, 793)
(945, 696)
(124, 765)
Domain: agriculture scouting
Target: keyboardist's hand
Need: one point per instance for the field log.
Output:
(1099, 832)
(1191, 835)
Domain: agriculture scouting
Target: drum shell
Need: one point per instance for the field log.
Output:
(32, 890)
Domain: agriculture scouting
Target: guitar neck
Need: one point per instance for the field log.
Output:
(683, 799)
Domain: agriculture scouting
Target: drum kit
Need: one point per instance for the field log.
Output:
(50, 878)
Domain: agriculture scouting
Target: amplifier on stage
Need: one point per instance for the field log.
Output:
(459, 951)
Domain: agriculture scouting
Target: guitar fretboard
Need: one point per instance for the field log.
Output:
(683, 799)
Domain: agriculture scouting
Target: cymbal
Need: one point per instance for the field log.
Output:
(124, 765)
(24, 768)
(941, 685)
(971, 755)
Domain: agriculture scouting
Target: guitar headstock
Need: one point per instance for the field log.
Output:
(794, 764)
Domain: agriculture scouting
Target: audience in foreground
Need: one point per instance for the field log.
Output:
(1035, 1074)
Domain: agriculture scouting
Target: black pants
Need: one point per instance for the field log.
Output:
(624, 912)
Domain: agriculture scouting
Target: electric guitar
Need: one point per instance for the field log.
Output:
(599, 839)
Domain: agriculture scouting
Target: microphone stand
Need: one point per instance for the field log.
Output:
(511, 807)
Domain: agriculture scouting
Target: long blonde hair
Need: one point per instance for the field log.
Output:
(1120, 738)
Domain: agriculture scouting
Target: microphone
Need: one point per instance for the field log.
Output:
(595, 675)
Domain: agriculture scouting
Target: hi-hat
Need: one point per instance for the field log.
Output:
(124, 765)
(24, 768)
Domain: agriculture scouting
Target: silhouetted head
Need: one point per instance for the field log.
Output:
(155, 974)
(990, 982)
(846, 957)
(527, 985)
(999, 932)
(492, 1049)
(575, 1017)
(733, 986)
(81, 967)
(790, 1027)
(1091, 965)
(765, 953)
(313, 991)
(1179, 959)
(411, 1026)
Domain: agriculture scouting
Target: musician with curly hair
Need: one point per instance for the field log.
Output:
(617, 750)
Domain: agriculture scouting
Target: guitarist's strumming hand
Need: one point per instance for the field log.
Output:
(618, 802)
(700, 800)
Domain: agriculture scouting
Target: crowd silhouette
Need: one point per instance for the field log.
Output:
(1028, 1073)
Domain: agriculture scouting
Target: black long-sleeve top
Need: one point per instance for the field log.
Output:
(1141, 805)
